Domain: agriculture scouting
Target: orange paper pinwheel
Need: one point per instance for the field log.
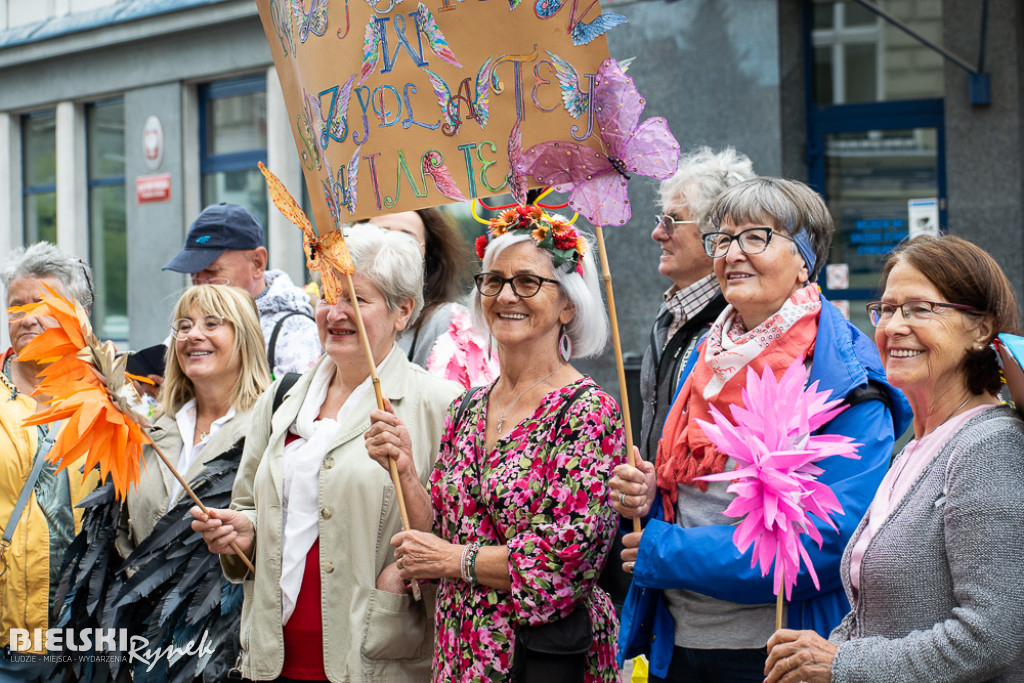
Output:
(88, 387)
(326, 254)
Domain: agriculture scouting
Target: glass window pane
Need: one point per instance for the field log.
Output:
(823, 75)
(853, 48)
(823, 14)
(108, 256)
(858, 15)
(245, 187)
(237, 123)
(861, 73)
(39, 136)
(41, 217)
(869, 177)
(106, 140)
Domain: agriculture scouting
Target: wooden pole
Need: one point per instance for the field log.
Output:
(606, 275)
(195, 499)
(778, 599)
(392, 467)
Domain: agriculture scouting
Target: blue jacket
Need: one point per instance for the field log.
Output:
(704, 559)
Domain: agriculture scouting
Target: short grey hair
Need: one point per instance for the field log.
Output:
(391, 260)
(782, 204)
(43, 259)
(703, 175)
(589, 327)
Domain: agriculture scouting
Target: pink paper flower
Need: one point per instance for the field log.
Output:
(461, 355)
(775, 484)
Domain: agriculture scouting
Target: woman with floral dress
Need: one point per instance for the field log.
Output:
(515, 498)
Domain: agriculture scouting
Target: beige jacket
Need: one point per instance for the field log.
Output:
(149, 499)
(369, 635)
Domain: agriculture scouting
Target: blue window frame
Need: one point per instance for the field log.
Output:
(233, 135)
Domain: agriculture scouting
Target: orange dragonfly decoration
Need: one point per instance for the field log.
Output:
(326, 254)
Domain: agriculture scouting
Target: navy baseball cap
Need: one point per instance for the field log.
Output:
(218, 228)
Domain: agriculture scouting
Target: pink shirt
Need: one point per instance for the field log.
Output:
(915, 457)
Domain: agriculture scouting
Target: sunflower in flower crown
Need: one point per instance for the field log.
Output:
(552, 233)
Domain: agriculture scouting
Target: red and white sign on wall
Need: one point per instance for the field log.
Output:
(153, 188)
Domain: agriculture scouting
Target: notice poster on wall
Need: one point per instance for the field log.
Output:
(923, 217)
(396, 105)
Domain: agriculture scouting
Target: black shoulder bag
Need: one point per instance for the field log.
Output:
(555, 652)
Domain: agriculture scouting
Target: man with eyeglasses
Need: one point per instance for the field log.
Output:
(694, 300)
(224, 246)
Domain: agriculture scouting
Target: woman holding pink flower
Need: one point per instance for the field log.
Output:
(697, 607)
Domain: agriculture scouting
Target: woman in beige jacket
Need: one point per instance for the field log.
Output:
(315, 514)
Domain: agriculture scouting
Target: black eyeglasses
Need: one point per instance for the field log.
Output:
(668, 223)
(752, 241)
(209, 324)
(915, 310)
(523, 286)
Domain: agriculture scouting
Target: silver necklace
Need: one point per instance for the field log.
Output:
(506, 409)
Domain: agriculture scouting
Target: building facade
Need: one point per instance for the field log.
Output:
(120, 120)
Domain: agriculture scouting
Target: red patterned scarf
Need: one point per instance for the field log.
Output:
(684, 452)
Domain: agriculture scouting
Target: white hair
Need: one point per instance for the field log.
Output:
(703, 175)
(43, 259)
(391, 260)
(589, 327)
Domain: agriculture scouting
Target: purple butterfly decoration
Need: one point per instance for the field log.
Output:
(596, 180)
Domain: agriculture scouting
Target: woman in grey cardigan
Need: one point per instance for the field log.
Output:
(934, 572)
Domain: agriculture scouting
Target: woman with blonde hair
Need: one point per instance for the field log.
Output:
(216, 369)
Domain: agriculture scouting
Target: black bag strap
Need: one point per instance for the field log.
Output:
(873, 391)
(272, 344)
(287, 382)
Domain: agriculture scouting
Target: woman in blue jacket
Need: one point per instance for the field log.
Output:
(696, 607)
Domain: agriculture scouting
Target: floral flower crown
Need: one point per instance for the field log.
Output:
(549, 232)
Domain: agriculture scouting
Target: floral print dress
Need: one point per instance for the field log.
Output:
(543, 492)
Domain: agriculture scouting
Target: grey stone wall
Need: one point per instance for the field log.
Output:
(984, 145)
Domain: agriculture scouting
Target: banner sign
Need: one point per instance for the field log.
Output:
(399, 105)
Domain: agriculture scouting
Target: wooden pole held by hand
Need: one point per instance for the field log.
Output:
(392, 467)
(606, 275)
(778, 600)
(195, 499)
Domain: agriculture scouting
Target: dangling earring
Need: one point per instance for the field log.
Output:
(565, 345)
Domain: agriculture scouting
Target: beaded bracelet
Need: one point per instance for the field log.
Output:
(473, 550)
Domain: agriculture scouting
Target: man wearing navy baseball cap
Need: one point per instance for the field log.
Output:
(224, 246)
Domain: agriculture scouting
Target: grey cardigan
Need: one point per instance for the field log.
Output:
(941, 593)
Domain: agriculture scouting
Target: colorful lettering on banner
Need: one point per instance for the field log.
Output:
(386, 109)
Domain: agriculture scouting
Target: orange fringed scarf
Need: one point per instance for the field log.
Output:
(684, 452)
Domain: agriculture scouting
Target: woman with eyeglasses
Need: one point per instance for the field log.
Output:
(517, 503)
(697, 608)
(215, 370)
(314, 514)
(933, 572)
